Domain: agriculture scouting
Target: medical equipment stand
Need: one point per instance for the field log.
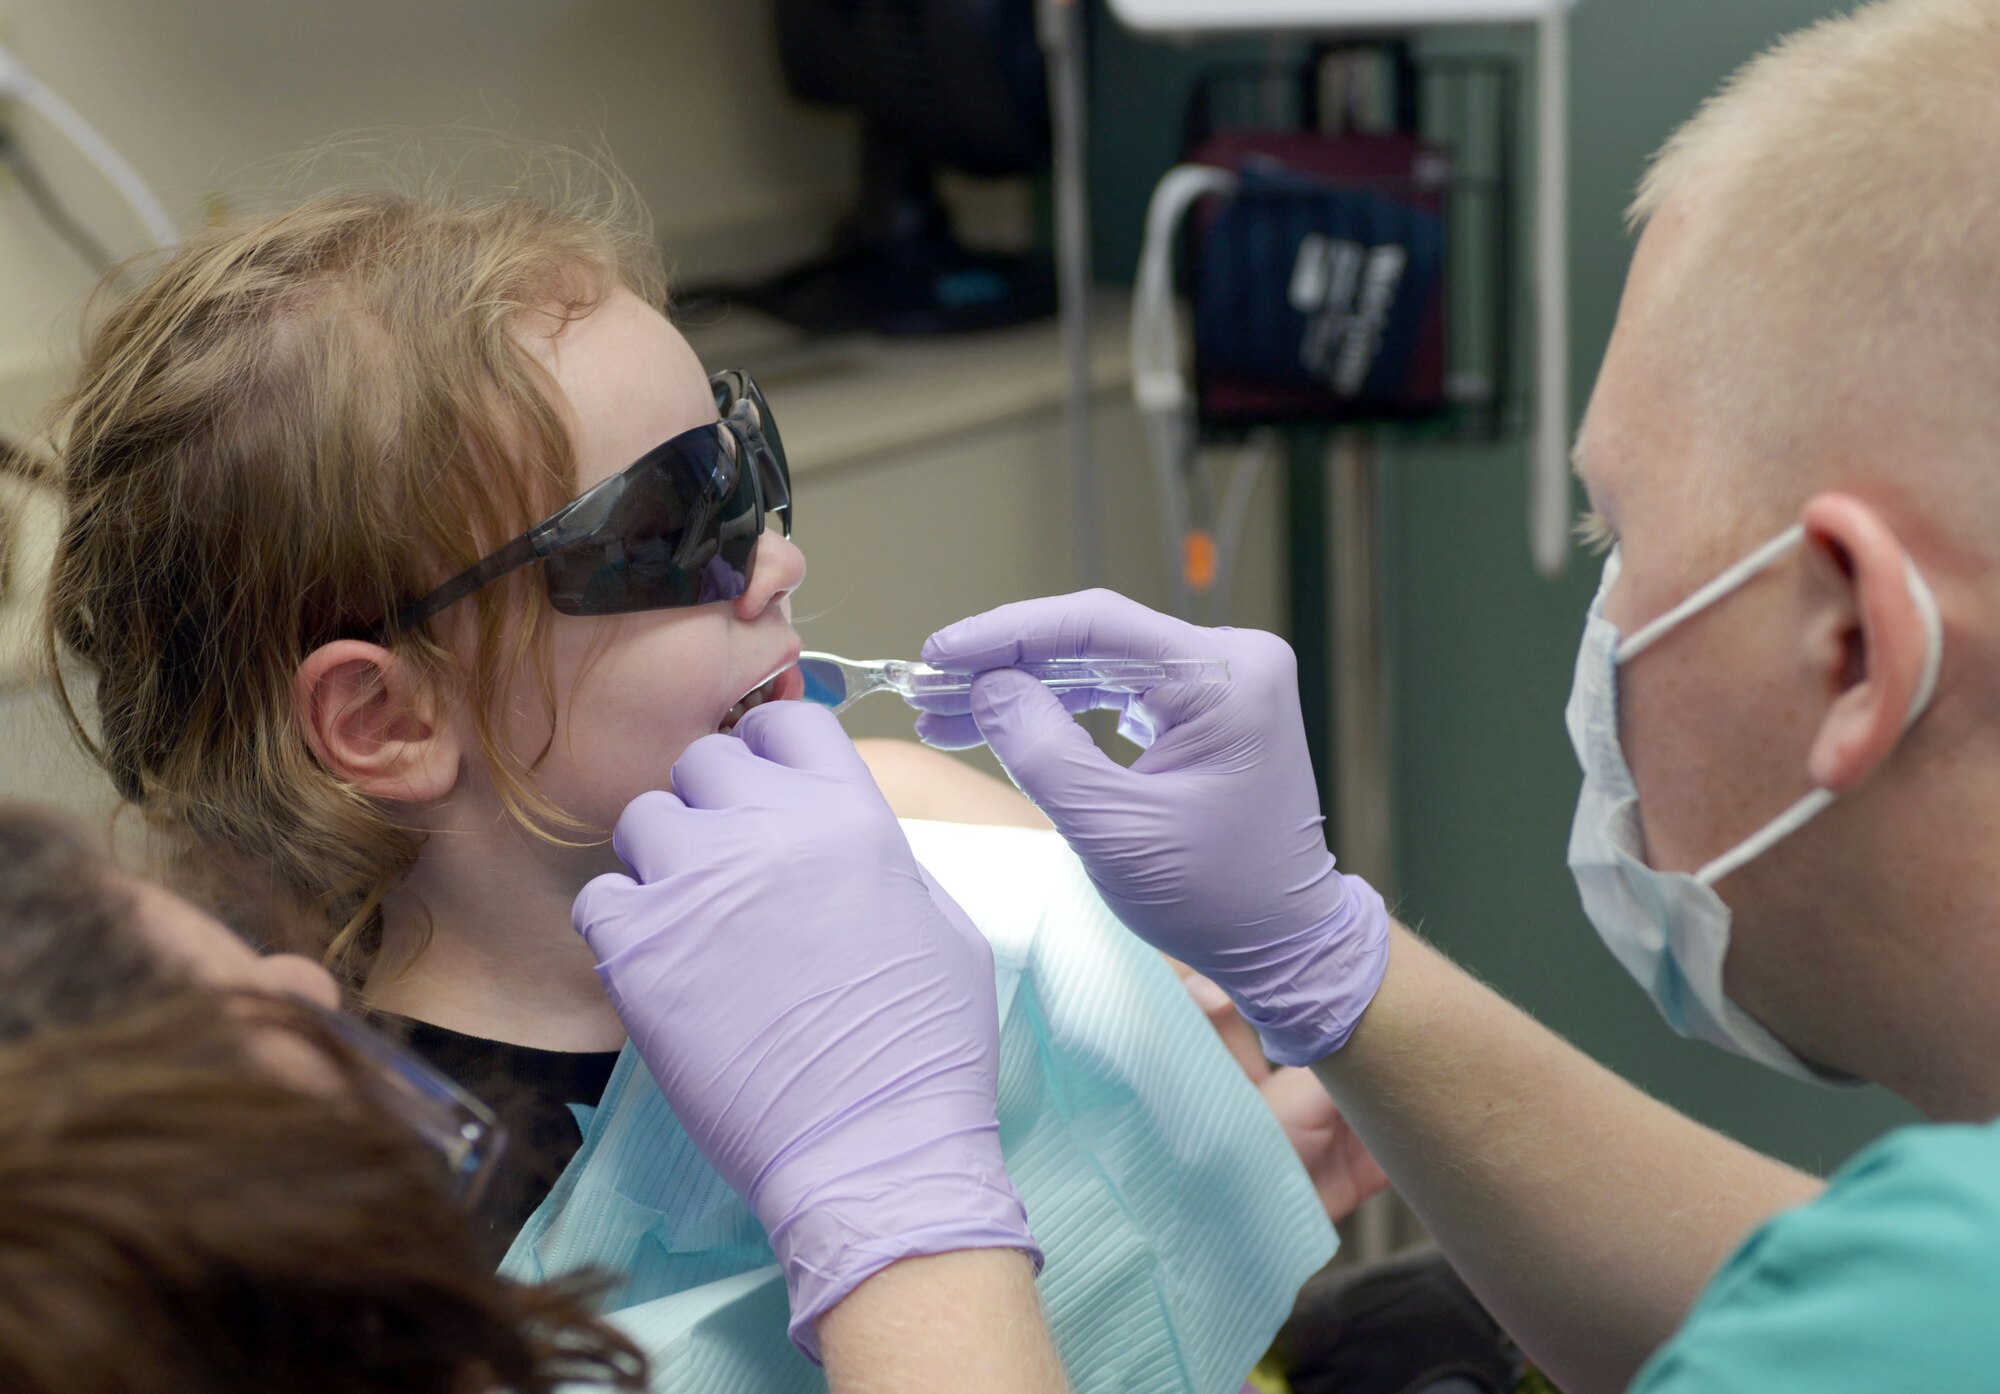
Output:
(1352, 687)
(1548, 477)
(1356, 692)
(1361, 685)
(1062, 34)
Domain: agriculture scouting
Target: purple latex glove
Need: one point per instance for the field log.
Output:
(819, 1013)
(1210, 847)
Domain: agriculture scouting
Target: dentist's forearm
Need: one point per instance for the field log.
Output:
(968, 1322)
(1585, 1214)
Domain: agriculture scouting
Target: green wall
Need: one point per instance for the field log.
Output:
(1482, 648)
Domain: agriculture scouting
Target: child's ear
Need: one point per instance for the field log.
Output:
(373, 725)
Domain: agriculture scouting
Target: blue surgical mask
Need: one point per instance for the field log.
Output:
(1669, 928)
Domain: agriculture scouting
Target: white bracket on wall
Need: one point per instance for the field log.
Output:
(19, 83)
(1548, 456)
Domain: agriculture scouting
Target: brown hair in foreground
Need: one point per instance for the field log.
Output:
(68, 950)
(176, 1218)
(298, 423)
(174, 1222)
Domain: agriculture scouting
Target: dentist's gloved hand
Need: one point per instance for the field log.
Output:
(1209, 848)
(820, 1015)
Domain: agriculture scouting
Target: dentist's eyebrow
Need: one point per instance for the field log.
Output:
(1592, 530)
(1595, 534)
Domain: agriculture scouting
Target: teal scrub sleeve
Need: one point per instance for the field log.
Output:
(1889, 1280)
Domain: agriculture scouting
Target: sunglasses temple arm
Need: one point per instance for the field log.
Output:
(512, 557)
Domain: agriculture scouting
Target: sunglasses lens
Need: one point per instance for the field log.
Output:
(681, 530)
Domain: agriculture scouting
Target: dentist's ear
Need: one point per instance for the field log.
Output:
(373, 724)
(1868, 640)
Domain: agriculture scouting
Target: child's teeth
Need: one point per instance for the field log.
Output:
(756, 697)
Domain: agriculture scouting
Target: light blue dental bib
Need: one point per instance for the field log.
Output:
(1178, 1224)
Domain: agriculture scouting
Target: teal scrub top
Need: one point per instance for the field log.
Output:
(1890, 1280)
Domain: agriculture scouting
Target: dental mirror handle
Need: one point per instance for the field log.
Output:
(1067, 674)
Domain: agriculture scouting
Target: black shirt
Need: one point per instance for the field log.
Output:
(531, 1090)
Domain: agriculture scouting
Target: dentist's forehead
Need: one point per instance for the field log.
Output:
(1654, 462)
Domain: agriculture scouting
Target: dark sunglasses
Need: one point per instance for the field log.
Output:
(678, 526)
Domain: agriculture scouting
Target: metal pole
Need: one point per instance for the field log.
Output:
(1548, 464)
(1062, 34)
(1360, 668)
(1307, 583)
(1363, 811)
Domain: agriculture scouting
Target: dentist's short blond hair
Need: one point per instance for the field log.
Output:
(1835, 289)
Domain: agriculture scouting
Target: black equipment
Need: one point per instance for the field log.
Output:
(939, 82)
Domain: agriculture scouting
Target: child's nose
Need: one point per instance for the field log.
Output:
(780, 567)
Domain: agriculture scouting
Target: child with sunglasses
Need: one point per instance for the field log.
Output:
(407, 543)
(279, 446)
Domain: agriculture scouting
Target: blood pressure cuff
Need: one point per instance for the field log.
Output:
(1177, 1221)
(1318, 286)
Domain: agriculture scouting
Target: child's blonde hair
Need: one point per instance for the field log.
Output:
(301, 422)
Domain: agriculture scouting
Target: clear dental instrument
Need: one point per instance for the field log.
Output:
(838, 683)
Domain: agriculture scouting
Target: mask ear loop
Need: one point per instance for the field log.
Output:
(1815, 803)
(1933, 623)
(1649, 634)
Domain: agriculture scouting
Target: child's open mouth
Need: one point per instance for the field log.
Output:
(785, 685)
